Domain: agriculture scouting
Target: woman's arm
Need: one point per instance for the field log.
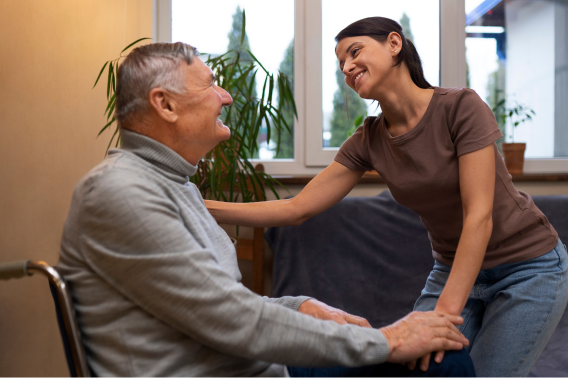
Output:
(477, 186)
(324, 191)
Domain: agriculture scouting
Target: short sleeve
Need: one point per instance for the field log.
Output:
(472, 123)
(354, 153)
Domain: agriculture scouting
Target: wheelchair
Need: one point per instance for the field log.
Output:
(70, 334)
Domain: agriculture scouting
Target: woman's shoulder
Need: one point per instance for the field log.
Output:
(365, 134)
(457, 94)
(372, 122)
(370, 128)
(459, 99)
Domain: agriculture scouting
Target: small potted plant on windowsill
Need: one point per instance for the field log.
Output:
(513, 153)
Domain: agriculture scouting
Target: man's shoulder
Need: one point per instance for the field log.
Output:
(118, 177)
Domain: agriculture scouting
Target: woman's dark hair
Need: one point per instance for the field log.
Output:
(379, 28)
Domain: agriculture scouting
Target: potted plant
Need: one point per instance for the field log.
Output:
(513, 153)
(227, 173)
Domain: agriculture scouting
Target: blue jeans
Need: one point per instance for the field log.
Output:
(454, 364)
(511, 313)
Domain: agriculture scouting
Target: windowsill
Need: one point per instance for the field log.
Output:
(375, 178)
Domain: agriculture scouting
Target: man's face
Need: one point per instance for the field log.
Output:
(198, 121)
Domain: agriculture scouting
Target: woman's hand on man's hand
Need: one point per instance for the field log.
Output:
(420, 333)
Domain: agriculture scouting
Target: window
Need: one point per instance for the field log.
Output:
(416, 18)
(215, 26)
(326, 119)
(439, 32)
(517, 52)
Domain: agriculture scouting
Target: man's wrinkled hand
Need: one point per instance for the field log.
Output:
(320, 310)
(421, 333)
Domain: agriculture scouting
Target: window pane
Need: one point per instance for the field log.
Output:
(208, 24)
(420, 20)
(516, 52)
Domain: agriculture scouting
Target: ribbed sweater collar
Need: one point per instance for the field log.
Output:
(160, 157)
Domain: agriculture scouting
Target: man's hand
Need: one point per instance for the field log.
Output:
(421, 333)
(320, 310)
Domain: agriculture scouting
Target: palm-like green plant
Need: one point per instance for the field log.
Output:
(226, 173)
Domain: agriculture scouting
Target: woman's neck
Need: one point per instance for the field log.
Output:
(403, 103)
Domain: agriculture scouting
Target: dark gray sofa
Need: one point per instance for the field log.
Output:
(370, 256)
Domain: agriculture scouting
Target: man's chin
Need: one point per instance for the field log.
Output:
(224, 132)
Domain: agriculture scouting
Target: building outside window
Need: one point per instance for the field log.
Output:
(517, 51)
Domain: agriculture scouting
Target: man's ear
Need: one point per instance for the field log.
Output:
(164, 105)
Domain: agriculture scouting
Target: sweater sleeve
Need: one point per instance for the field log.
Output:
(136, 241)
(292, 303)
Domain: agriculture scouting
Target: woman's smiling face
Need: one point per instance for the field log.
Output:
(366, 62)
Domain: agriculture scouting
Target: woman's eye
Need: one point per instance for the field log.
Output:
(355, 51)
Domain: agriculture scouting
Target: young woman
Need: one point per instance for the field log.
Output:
(498, 261)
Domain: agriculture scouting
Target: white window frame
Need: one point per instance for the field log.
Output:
(310, 157)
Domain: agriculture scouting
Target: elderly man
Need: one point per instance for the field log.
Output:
(155, 280)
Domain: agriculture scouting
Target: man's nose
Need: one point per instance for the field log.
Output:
(225, 96)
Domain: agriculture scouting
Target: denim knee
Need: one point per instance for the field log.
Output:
(456, 363)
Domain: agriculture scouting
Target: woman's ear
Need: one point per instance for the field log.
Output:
(164, 105)
(394, 42)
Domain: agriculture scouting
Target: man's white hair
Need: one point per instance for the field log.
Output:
(157, 65)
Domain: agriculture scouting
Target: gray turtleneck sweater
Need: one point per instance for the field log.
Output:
(157, 289)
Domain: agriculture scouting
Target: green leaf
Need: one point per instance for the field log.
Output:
(133, 43)
(111, 101)
(111, 110)
(271, 90)
(111, 139)
(108, 82)
(258, 62)
(112, 78)
(358, 120)
(106, 126)
(100, 73)
(243, 27)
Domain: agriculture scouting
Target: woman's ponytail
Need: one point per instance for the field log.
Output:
(414, 64)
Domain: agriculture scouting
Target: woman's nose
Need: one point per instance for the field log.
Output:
(348, 68)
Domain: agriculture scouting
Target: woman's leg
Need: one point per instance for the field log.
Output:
(511, 313)
(524, 303)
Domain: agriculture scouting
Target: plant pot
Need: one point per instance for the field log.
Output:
(514, 155)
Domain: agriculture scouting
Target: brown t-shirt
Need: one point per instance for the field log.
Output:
(420, 168)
